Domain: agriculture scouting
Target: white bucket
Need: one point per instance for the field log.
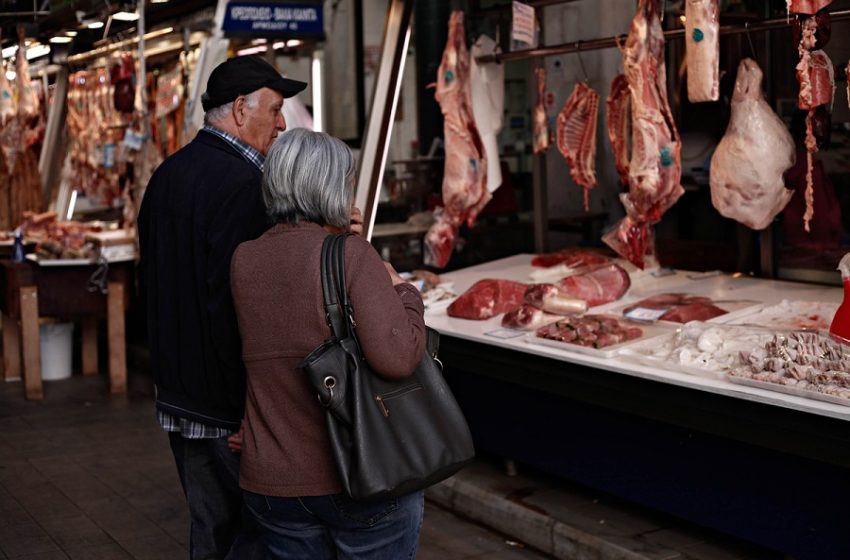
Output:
(56, 343)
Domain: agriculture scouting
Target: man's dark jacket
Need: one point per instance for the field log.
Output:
(199, 205)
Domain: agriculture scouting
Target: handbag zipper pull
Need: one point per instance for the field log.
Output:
(384, 410)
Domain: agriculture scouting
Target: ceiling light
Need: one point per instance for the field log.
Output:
(37, 50)
(125, 16)
(94, 24)
(278, 45)
(158, 1)
(61, 39)
(71, 33)
(9, 51)
(252, 50)
(293, 43)
(10, 74)
(260, 41)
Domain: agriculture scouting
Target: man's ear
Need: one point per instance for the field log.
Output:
(239, 110)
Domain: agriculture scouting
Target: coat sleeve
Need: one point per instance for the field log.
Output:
(390, 323)
(239, 216)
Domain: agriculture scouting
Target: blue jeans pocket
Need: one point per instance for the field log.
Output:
(365, 514)
(258, 504)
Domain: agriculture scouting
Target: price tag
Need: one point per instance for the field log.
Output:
(505, 333)
(133, 140)
(645, 314)
(522, 25)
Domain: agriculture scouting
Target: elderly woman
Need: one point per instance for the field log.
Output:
(288, 475)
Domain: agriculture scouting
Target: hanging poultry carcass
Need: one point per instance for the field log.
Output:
(464, 179)
(576, 133)
(655, 168)
(702, 44)
(619, 123)
(748, 166)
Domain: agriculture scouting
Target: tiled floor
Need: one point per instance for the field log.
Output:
(86, 476)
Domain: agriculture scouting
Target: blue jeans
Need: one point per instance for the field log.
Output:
(336, 527)
(220, 526)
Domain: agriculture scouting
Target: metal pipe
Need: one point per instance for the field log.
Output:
(532, 3)
(608, 42)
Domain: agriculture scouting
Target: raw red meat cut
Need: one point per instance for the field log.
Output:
(747, 166)
(570, 257)
(548, 297)
(806, 6)
(487, 298)
(576, 127)
(596, 331)
(464, 178)
(539, 120)
(619, 124)
(601, 285)
(656, 165)
(703, 50)
(681, 307)
(527, 318)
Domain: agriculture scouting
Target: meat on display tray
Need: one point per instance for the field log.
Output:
(734, 308)
(788, 390)
(649, 331)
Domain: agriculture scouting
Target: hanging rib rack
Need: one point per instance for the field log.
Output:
(608, 42)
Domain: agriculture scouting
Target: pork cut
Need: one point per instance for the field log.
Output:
(619, 123)
(487, 298)
(598, 286)
(576, 133)
(681, 308)
(464, 178)
(655, 168)
(702, 46)
(539, 120)
(549, 297)
(570, 257)
(747, 166)
(527, 318)
(595, 331)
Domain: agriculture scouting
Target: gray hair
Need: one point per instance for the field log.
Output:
(309, 176)
(218, 114)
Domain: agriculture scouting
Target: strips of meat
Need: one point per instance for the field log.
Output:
(817, 80)
(619, 123)
(747, 168)
(539, 120)
(576, 128)
(703, 50)
(548, 297)
(596, 287)
(487, 298)
(656, 165)
(595, 331)
(464, 179)
(570, 257)
(527, 318)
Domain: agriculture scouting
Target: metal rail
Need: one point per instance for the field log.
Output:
(608, 42)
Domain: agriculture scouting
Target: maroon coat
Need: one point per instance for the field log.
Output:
(278, 298)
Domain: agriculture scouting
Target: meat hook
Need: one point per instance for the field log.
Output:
(750, 40)
(581, 62)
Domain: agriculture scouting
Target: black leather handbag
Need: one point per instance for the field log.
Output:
(389, 437)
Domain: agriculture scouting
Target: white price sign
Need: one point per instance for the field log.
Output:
(522, 28)
(644, 314)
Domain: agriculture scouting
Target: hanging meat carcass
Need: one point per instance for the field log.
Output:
(8, 108)
(464, 178)
(28, 103)
(702, 44)
(655, 168)
(576, 127)
(619, 123)
(807, 7)
(748, 164)
(817, 86)
(539, 120)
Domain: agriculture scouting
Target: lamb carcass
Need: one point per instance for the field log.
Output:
(747, 167)
(576, 128)
(464, 178)
(656, 165)
(619, 124)
(7, 96)
(539, 120)
(28, 103)
(703, 50)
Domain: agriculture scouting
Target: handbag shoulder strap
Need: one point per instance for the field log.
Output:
(333, 276)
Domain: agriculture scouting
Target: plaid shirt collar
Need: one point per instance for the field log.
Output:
(244, 149)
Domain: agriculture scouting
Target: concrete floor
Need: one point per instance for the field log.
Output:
(86, 476)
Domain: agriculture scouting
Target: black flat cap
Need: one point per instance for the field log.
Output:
(243, 75)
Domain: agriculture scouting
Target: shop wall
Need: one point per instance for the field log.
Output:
(340, 68)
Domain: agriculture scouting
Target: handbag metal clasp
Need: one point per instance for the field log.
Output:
(329, 382)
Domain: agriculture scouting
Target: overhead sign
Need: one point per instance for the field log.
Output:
(264, 18)
(523, 23)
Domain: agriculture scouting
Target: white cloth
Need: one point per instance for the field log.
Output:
(487, 83)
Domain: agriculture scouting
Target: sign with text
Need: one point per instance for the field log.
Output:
(522, 27)
(264, 19)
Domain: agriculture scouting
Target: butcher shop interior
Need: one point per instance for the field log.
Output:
(629, 220)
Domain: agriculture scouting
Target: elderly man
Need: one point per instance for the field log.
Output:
(200, 204)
